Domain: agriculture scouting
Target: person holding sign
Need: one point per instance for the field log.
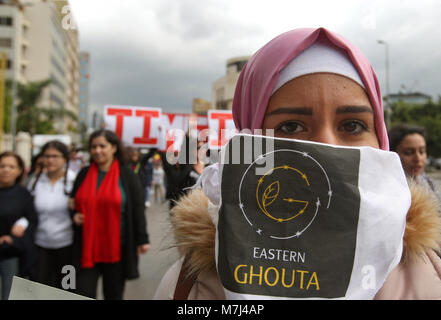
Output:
(316, 92)
(110, 226)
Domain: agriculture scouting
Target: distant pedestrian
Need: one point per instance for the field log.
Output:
(54, 234)
(15, 204)
(409, 141)
(158, 179)
(142, 168)
(183, 174)
(75, 159)
(37, 165)
(110, 226)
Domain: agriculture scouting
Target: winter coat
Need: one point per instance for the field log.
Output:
(418, 276)
(135, 222)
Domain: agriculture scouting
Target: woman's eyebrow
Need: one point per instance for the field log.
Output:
(292, 110)
(353, 109)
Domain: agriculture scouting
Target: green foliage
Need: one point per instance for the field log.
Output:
(31, 117)
(7, 110)
(427, 115)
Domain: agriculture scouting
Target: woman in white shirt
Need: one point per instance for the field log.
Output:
(54, 234)
(158, 179)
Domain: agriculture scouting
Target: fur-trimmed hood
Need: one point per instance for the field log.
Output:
(194, 229)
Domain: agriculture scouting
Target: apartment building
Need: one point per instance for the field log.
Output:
(40, 45)
(222, 90)
(84, 117)
(14, 39)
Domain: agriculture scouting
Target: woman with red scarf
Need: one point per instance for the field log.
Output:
(110, 226)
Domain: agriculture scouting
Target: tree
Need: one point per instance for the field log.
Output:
(7, 108)
(28, 112)
(31, 117)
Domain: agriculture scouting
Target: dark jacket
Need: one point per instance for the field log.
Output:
(135, 221)
(16, 202)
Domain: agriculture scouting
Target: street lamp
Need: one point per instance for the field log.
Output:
(387, 106)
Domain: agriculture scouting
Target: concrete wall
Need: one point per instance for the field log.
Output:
(23, 142)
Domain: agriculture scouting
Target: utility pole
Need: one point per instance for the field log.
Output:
(3, 61)
(387, 106)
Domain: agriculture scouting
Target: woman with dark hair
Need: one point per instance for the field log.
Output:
(108, 212)
(37, 165)
(15, 203)
(54, 234)
(409, 141)
(313, 86)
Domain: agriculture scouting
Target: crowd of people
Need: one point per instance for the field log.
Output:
(63, 211)
(307, 84)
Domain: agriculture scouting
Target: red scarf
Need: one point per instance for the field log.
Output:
(102, 216)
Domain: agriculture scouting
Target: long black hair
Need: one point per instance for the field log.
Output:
(113, 139)
(64, 150)
(399, 132)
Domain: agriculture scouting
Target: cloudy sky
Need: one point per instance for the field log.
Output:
(166, 52)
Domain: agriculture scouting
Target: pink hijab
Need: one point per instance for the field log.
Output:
(259, 76)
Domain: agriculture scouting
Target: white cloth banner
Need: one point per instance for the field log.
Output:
(222, 128)
(151, 128)
(320, 222)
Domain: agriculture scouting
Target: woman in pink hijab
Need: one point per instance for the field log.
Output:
(307, 84)
(314, 59)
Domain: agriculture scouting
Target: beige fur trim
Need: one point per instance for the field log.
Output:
(195, 231)
(423, 223)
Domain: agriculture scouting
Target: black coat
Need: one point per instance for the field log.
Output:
(16, 202)
(135, 221)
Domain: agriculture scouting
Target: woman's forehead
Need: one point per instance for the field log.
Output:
(319, 89)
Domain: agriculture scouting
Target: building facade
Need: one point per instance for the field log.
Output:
(410, 97)
(222, 90)
(14, 39)
(84, 94)
(40, 45)
(201, 106)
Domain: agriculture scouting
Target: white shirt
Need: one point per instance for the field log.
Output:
(54, 229)
(158, 175)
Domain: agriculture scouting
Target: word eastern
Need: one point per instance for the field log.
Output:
(278, 254)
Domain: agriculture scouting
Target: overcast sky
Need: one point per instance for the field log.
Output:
(164, 53)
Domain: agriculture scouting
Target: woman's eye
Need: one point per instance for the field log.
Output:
(353, 127)
(290, 127)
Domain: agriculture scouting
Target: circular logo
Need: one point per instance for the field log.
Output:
(285, 201)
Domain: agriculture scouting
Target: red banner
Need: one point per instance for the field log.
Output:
(149, 127)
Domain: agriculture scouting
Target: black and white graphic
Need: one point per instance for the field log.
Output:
(290, 232)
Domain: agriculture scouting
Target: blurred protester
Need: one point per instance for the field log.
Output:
(183, 174)
(142, 168)
(54, 234)
(110, 226)
(158, 179)
(148, 168)
(75, 159)
(37, 165)
(409, 142)
(15, 204)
